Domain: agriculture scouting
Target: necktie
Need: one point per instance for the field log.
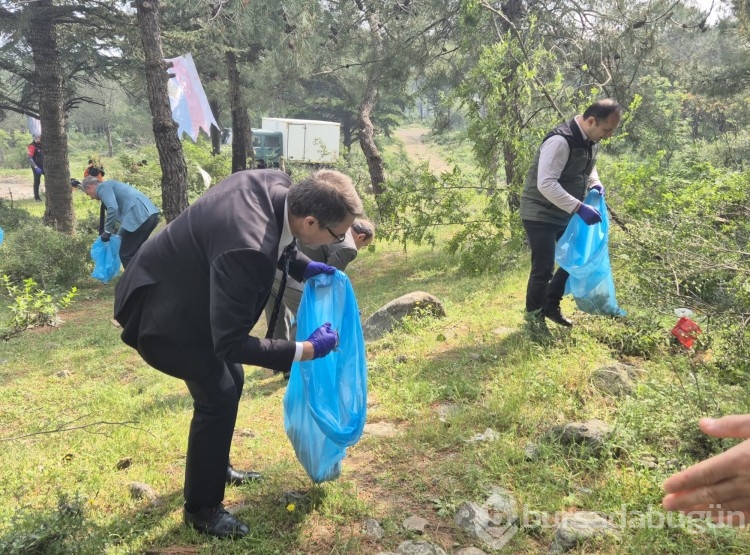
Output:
(284, 263)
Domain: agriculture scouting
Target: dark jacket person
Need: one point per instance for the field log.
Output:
(192, 294)
(36, 161)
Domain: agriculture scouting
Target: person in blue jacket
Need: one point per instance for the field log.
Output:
(125, 205)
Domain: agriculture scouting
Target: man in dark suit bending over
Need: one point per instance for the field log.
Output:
(193, 292)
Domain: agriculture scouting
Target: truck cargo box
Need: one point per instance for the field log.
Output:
(310, 141)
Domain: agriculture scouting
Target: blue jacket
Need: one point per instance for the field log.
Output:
(125, 204)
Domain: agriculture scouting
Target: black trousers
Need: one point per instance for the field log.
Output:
(132, 240)
(37, 182)
(544, 288)
(216, 388)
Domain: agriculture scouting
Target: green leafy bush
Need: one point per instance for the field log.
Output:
(30, 306)
(54, 260)
(11, 217)
(55, 532)
(638, 335)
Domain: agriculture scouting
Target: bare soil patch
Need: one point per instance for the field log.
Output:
(419, 151)
(18, 187)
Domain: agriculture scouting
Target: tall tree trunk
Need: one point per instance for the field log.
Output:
(215, 132)
(48, 75)
(366, 108)
(173, 168)
(346, 128)
(240, 121)
(108, 131)
(367, 140)
(512, 175)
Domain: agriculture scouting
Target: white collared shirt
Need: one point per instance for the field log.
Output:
(286, 238)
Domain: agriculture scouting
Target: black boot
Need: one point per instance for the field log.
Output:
(239, 477)
(536, 326)
(553, 312)
(215, 521)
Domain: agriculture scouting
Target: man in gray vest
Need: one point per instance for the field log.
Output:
(564, 170)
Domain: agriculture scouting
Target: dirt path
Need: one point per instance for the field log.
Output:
(18, 187)
(419, 151)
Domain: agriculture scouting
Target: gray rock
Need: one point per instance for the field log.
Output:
(373, 528)
(615, 380)
(478, 523)
(415, 524)
(592, 433)
(411, 547)
(384, 319)
(446, 411)
(648, 461)
(579, 527)
(139, 490)
(122, 464)
(502, 505)
(469, 551)
(488, 435)
(531, 452)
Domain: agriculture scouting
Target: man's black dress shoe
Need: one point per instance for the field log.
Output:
(555, 314)
(215, 521)
(239, 477)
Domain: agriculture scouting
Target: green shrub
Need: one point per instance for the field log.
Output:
(87, 221)
(12, 217)
(638, 335)
(30, 306)
(56, 532)
(54, 260)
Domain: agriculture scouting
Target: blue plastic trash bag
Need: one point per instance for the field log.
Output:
(326, 399)
(2, 235)
(106, 257)
(583, 251)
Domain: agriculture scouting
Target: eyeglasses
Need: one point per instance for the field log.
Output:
(337, 238)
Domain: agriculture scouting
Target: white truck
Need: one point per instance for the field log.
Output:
(302, 140)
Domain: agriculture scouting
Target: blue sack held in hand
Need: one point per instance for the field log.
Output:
(106, 257)
(2, 235)
(584, 253)
(325, 402)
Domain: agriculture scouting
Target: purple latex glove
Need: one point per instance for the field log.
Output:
(589, 214)
(599, 188)
(315, 268)
(38, 170)
(324, 340)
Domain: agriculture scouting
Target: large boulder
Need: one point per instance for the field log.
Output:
(385, 318)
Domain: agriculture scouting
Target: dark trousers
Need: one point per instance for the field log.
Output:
(544, 288)
(37, 182)
(216, 398)
(132, 240)
(215, 402)
(215, 386)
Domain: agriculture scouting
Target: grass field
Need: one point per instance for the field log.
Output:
(82, 417)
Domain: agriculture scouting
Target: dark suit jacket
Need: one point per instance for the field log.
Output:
(209, 274)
